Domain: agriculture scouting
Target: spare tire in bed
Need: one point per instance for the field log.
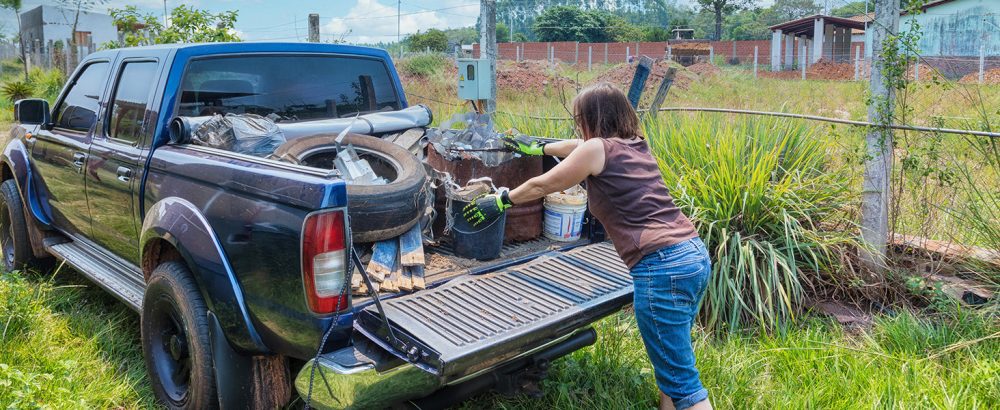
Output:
(377, 212)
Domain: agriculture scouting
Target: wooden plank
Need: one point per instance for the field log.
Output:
(356, 280)
(642, 71)
(385, 255)
(391, 282)
(661, 93)
(417, 276)
(411, 247)
(948, 250)
(409, 138)
(405, 282)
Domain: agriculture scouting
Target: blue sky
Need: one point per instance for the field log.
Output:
(356, 21)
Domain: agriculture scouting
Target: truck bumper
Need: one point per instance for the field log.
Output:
(357, 378)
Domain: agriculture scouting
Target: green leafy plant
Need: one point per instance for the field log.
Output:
(423, 65)
(768, 208)
(16, 90)
(187, 25)
(47, 83)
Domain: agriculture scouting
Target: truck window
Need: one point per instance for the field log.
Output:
(78, 110)
(287, 88)
(132, 94)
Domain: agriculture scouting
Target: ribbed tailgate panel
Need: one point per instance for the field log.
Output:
(504, 311)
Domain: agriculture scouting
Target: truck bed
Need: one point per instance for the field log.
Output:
(443, 264)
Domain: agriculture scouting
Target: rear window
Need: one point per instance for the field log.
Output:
(287, 88)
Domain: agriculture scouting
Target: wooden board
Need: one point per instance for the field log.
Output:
(411, 247)
(385, 255)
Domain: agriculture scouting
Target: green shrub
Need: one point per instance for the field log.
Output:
(766, 206)
(423, 65)
(47, 83)
(16, 90)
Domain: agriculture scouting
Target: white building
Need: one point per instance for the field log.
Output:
(49, 23)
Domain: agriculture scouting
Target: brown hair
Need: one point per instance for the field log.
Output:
(603, 111)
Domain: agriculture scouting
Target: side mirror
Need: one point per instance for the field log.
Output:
(32, 111)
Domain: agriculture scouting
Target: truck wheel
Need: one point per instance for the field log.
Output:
(175, 339)
(14, 240)
(377, 211)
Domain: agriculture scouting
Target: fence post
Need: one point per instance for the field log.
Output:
(982, 63)
(754, 62)
(670, 53)
(628, 51)
(590, 56)
(805, 52)
(637, 53)
(605, 53)
(711, 55)
(916, 70)
(576, 58)
(857, 62)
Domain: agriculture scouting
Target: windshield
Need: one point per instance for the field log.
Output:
(287, 87)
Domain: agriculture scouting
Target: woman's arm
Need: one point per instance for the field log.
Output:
(561, 149)
(583, 159)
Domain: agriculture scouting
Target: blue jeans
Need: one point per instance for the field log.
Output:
(669, 284)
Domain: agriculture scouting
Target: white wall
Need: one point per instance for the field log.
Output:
(958, 28)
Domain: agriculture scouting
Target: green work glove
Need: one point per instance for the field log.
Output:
(524, 144)
(487, 207)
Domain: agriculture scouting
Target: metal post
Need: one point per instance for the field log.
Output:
(755, 62)
(857, 63)
(876, 190)
(982, 63)
(590, 56)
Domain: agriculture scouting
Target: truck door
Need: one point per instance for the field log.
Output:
(59, 152)
(114, 164)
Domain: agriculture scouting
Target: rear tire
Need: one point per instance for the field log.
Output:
(175, 339)
(377, 212)
(14, 240)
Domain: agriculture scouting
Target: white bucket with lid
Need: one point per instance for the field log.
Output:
(564, 214)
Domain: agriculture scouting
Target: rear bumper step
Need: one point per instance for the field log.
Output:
(476, 322)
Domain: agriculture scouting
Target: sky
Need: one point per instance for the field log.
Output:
(355, 21)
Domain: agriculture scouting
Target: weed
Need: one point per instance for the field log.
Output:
(423, 65)
(16, 90)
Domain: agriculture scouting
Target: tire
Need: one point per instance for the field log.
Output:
(14, 240)
(377, 212)
(175, 339)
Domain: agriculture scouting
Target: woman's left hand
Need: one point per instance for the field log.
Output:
(487, 207)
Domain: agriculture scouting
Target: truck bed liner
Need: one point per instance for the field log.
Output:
(475, 321)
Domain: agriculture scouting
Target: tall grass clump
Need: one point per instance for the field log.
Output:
(47, 83)
(423, 65)
(768, 208)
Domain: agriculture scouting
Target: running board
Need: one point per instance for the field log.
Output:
(123, 282)
(474, 322)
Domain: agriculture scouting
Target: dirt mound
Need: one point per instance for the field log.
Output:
(529, 76)
(704, 69)
(926, 72)
(825, 70)
(622, 75)
(700, 46)
(991, 76)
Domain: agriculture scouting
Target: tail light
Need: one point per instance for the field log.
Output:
(324, 261)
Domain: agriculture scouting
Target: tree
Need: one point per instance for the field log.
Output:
(785, 10)
(188, 25)
(433, 39)
(15, 6)
(77, 6)
(520, 38)
(612, 28)
(853, 9)
(563, 23)
(720, 8)
(503, 33)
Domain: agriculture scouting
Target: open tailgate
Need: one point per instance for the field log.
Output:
(473, 323)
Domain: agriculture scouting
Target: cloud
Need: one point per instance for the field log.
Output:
(370, 21)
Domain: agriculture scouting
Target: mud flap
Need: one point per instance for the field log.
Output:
(232, 370)
(473, 323)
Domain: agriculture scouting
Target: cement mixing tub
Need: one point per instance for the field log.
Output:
(524, 222)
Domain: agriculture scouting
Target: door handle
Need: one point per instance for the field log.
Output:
(124, 174)
(78, 160)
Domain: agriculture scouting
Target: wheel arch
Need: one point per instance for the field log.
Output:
(174, 229)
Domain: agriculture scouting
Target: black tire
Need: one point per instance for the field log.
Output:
(175, 339)
(377, 211)
(14, 240)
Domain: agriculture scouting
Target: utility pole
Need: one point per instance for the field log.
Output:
(165, 23)
(876, 192)
(398, 14)
(488, 46)
(313, 28)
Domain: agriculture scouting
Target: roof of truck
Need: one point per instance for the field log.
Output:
(258, 47)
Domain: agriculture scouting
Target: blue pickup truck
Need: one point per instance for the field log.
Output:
(239, 264)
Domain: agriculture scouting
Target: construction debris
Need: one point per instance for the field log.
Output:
(356, 170)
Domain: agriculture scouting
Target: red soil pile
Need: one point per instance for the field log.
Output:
(704, 69)
(622, 76)
(824, 70)
(528, 76)
(698, 46)
(991, 76)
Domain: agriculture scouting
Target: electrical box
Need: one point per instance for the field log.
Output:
(474, 80)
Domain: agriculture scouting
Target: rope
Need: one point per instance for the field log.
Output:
(802, 117)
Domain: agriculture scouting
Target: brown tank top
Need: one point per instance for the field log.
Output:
(632, 202)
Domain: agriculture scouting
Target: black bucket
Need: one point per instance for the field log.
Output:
(482, 242)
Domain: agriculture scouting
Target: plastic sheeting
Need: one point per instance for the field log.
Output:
(241, 133)
(474, 137)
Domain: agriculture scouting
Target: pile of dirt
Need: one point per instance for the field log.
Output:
(825, 70)
(991, 76)
(704, 69)
(622, 76)
(697, 46)
(528, 76)
(926, 72)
